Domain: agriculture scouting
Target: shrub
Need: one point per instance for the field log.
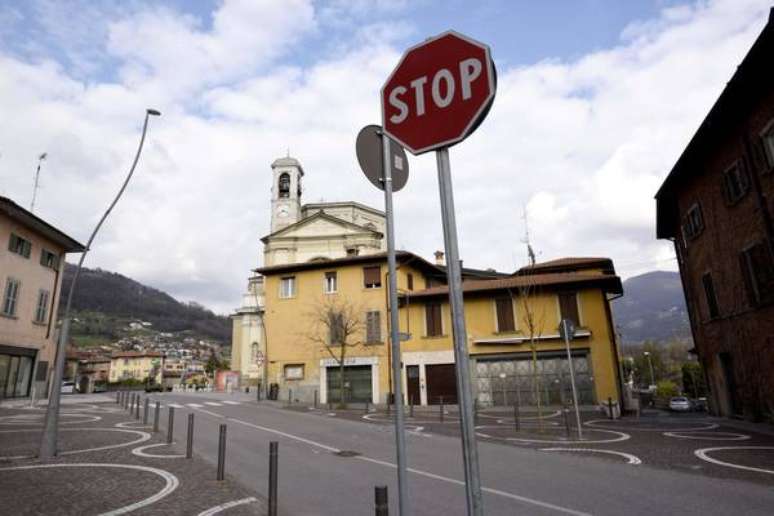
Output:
(666, 389)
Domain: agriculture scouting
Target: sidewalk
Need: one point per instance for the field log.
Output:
(108, 462)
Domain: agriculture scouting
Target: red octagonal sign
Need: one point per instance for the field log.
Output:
(439, 92)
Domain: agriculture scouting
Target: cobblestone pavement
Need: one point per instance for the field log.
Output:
(692, 442)
(108, 463)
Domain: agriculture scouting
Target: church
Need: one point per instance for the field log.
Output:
(299, 233)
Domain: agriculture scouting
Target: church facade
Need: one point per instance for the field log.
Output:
(299, 233)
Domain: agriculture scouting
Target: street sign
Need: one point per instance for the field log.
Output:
(439, 93)
(566, 329)
(368, 148)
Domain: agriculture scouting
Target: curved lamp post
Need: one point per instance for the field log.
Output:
(51, 427)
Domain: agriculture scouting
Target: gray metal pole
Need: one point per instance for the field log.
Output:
(51, 425)
(145, 412)
(189, 441)
(464, 391)
(273, 474)
(156, 417)
(137, 408)
(222, 452)
(381, 501)
(171, 425)
(572, 378)
(400, 436)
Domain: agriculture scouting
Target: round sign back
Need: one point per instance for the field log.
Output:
(368, 147)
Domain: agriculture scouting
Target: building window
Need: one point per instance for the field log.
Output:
(294, 372)
(284, 185)
(19, 245)
(433, 321)
(330, 286)
(372, 277)
(767, 139)
(504, 309)
(373, 327)
(693, 222)
(287, 287)
(336, 329)
(11, 297)
(49, 259)
(758, 273)
(410, 281)
(41, 311)
(709, 294)
(735, 183)
(568, 307)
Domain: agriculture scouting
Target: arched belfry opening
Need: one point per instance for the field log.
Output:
(284, 185)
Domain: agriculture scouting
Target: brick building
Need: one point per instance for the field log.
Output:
(716, 205)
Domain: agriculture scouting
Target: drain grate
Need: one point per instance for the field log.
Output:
(347, 453)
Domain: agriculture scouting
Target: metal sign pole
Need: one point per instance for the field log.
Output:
(464, 392)
(400, 437)
(572, 376)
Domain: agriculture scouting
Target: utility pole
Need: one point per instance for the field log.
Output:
(37, 177)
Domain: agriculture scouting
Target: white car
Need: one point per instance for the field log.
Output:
(68, 387)
(680, 404)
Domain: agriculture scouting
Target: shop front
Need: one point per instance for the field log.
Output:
(16, 367)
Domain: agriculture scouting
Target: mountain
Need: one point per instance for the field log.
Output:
(652, 308)
(105, 302)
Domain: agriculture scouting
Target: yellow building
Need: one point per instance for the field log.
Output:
(512, 322)
(136, 365)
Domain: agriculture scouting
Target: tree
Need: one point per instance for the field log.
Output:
(693, 380)
(215, 363)
(336, 325)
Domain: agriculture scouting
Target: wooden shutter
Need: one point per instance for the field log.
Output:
(410, 281)
(372, 277)
(504, 314)
(568, 306)
(373, 327)
(433, 319)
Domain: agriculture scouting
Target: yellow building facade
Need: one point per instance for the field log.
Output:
(136, 365)
(512, 323)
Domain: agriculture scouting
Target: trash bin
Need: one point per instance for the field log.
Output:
(274, 391)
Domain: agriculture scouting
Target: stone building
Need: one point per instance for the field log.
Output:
(716, 206)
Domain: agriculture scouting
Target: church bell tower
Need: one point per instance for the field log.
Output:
(285, 193)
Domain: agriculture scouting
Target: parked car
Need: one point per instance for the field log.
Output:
(100, 387)
(153, 387)
(68, 387)
(680, 404)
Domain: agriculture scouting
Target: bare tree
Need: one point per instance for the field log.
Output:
(337, 326)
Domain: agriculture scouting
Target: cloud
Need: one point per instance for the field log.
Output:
(582, 145)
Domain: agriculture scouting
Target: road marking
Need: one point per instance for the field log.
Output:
(214, 414)
(174, 405)
(144, 436)
(212, 404)
(709, 436)
(194, 405)
(631, 428)
(415, 471)
(228, 505)
(231, 402)
(171, 481)
(702, 454)
(621, 437)
(140, 452)
(632, 459)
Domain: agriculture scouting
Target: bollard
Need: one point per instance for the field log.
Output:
(156, 416)
(610, 408)
(145, 413)
(130, 405)
(381, 501)
(171, 425)
(516, 422)
(273, 472)
(290, 396)
(222, 452)
(566, 421)
(189, 443)
(366, 408)
(411, 406)
(118, 396)
(315, 398)
(137, 408)
(441, 413)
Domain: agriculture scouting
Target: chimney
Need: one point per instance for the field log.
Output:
(439, 258)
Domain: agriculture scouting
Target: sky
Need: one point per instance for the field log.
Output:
(596, 100)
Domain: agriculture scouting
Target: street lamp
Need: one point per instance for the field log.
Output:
(650, 363)
(51, 427)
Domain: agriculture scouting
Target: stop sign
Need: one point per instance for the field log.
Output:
(439, 92)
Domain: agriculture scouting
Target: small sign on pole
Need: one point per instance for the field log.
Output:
(436, 97)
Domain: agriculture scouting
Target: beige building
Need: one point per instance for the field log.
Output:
(299, 233)
(135, 365)
(32, 257)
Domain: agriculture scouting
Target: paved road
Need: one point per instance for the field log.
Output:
(315, 481)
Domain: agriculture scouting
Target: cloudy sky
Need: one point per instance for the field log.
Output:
(596, 99)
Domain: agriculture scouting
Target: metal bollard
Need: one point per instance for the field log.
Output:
(411, 406)
(441, 413)
(516, 422)
(130, 405)
(171, 425)
(145, 413)
(381, 502)
(222, 452)
(315, 398)
(610, 407)
(566, 421)
(189, 443)
(156, 416)
(273, 472)
(137, 408)
(118, 396)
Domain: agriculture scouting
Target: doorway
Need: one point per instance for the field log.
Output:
(412, 384)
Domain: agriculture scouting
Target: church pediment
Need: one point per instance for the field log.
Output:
(320, 225)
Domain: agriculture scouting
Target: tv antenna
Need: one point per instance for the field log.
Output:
(37, 177)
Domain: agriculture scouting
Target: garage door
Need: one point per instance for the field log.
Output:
(441, 382)
(357, 383)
